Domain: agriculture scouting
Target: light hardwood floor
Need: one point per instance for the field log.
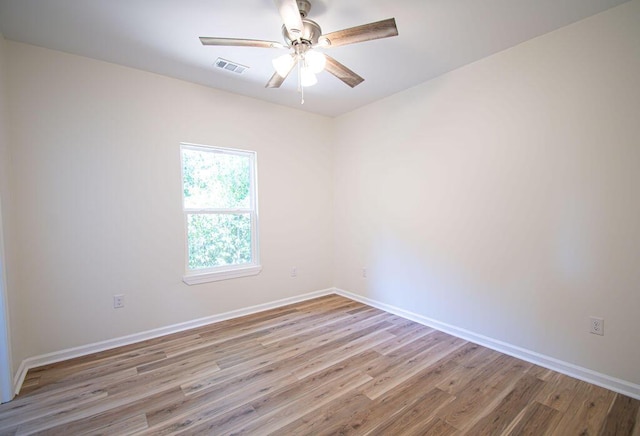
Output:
(325, 366)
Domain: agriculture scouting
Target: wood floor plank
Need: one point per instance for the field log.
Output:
(332, 330)
(636, 428)
(622, 416)
(327, 365)
(475, 400)
(387, 406)
(330, 419)
(408, 351)
(536, 420)
(324, 323)
(121, 393)
(402, 338)
(184, 371)
(407, 369)
(125, 427)
(213, 404)
(112, 416)
(286, 406)
(352, 348)
(295, 356)
(540, 372)
(432, 427)
(499, 418)
(67, 378)
(587, 411)
(281, 403)
(202, 423)
(52, 408)
(559, 391)
(29, 405)
(416, 415)
(468, 370)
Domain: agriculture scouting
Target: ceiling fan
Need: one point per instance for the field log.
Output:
(302, 36)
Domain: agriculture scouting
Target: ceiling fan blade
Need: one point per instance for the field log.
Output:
(277, 80)
(236, 42)
(343, 73)
(290, 14)
(366, 32)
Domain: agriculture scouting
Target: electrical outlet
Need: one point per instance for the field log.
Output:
(294, 272)
(364, 273)
(596, 325)
(118, 301)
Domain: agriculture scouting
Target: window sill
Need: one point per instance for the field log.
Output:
(196, 279)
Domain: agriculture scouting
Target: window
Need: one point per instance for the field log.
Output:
(220, 211)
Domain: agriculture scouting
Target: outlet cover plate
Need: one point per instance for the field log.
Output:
(118, 301)
(596, 325)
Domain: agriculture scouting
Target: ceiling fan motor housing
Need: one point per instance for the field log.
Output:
(311, 31)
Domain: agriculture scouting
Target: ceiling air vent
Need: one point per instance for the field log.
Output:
(230, 66)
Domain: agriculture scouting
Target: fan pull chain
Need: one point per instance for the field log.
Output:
(299, 77)
(300, 87)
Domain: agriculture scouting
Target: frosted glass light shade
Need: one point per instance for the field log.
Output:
(315, 60)
(283, 64)
(307, 78)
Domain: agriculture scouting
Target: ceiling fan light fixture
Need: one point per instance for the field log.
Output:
(316, 61)
(307, 78)
(283, 64)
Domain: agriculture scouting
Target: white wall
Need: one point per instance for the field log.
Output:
(502, 198)
(96, 185)
(6, 370)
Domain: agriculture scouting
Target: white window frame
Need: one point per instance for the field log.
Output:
(193, 277)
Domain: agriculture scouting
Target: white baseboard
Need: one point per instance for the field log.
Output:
(615, 384)
(585, 374)
(70, 353)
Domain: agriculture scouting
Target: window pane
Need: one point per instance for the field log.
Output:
(215, 180)
(218, 239)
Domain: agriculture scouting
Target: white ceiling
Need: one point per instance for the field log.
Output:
(435, 36)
